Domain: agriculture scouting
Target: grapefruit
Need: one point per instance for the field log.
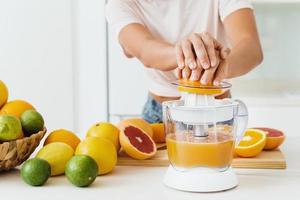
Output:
(274, 138)
(101, 150)
(251, 144)
(137, 143)
(64, 136)
(3, 93)
(158, 132)
(107, 131)
(16, 108)
(57, 154)
(139, 123)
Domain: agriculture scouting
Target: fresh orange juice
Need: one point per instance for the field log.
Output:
(187, 151)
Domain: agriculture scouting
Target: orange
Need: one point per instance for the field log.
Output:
(101, 150)
(65, 136)
(105, 130)
(251, 144)
(137, 143)
(139, 123)
(274, 138)
(16, 108)
(189, 86)
(158, 132)
(3, 93)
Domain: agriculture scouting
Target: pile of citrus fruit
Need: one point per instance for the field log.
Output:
(18, 118)
(82, 161)
(255, 140)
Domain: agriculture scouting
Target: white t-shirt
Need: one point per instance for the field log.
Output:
(171, 20)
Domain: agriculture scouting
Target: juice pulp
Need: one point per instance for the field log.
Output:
(187, 151)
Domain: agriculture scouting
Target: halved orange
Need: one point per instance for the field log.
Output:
(196, 87)
(252, 143)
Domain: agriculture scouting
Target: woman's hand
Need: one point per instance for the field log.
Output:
(197, 53)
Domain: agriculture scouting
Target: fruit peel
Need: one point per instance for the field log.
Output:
(131, 150)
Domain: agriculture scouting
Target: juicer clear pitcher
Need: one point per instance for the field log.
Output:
(203, 136)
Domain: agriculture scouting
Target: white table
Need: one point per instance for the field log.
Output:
(142, 183)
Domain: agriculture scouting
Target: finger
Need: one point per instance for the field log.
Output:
(188, 54)
(220, 74)
(186, 72)
(178, 73)
(179, 56)
(195, 74)
(200, 51)
(210, 49)
(208, 76)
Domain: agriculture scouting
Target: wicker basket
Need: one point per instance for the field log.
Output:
(13, 153)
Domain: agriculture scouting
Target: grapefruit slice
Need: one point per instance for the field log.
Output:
(251, 144)
(274, 138)
(137, 143)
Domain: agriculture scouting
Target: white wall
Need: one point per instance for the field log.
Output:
(35, 56)
(89, 60)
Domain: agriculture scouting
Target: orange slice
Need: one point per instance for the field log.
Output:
(252, 143)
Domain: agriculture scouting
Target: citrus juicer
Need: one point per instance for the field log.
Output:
(201, 132)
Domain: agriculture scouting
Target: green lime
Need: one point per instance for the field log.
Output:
(81, 170)
(35, 171)
(10, 128)
(32, 122)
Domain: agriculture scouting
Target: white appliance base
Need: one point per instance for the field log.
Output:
(200, 180)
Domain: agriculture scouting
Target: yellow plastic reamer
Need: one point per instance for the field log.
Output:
(185, 85)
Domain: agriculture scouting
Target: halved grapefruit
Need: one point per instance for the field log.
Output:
(139, 123)
(274, 138)
(136, 142)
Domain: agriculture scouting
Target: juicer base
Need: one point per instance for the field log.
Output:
(200, 180)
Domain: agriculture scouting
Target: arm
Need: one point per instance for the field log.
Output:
(137, 41)
(246, 52)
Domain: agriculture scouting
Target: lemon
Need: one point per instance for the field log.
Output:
(57, 154)
(3, 93)
(107, 131)
(101, 150)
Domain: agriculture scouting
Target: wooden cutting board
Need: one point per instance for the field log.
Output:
(265, 160)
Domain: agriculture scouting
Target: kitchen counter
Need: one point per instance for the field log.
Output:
(144, 183)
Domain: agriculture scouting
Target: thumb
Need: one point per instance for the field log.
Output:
(220, 74)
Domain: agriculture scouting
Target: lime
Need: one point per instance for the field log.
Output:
(81, 170)
(10, 128)
(35, 171)
(32, 122)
